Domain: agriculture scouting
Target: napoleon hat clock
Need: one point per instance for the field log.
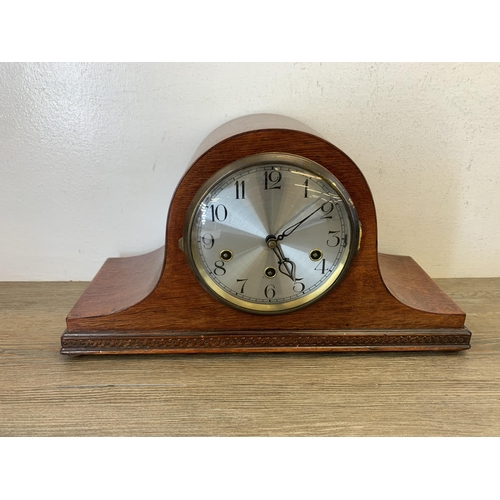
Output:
(271, 246)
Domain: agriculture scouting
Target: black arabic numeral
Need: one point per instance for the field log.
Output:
(270, 292)
(244, 283)
(334, 240)
(208, 241)
(219, 268)
(240, 190)
(301, 286)
(218, 213)
(306, 186)
(327, 209)
(322, 268)
(272, 179)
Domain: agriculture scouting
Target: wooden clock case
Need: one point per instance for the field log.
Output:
(152, 303)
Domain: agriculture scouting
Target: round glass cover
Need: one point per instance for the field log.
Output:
(271, 233)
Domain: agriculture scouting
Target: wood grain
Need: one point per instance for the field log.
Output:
(388, 394)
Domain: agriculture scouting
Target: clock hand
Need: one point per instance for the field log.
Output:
(289, 230)
(285, 265)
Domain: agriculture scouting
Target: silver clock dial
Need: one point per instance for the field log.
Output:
(271, 233)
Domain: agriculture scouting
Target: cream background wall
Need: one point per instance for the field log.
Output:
(90, 154)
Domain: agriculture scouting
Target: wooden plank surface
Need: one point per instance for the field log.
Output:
(375, 394)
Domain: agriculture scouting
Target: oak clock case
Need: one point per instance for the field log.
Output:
(271, 233)
(253, 262)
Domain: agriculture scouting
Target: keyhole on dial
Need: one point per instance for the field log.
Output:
(226, 255)
(315, 254)
(270, 272)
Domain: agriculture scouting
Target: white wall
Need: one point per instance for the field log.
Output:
(90, 153)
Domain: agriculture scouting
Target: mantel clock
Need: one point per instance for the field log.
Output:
(271, 245)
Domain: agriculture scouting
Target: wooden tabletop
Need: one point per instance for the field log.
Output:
(43, 393)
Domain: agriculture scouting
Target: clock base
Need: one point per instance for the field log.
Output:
(93, 328)
(444, 339)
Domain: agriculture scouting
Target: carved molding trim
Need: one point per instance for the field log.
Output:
(113, 341)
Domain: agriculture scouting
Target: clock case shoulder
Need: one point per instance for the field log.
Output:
(154, 303)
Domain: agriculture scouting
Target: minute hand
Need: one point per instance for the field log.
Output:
(289, 230)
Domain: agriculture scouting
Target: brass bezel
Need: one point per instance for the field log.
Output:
(258, 160)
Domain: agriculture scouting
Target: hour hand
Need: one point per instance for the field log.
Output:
(285, 266)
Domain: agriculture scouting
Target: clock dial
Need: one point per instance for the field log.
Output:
(271, 233)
